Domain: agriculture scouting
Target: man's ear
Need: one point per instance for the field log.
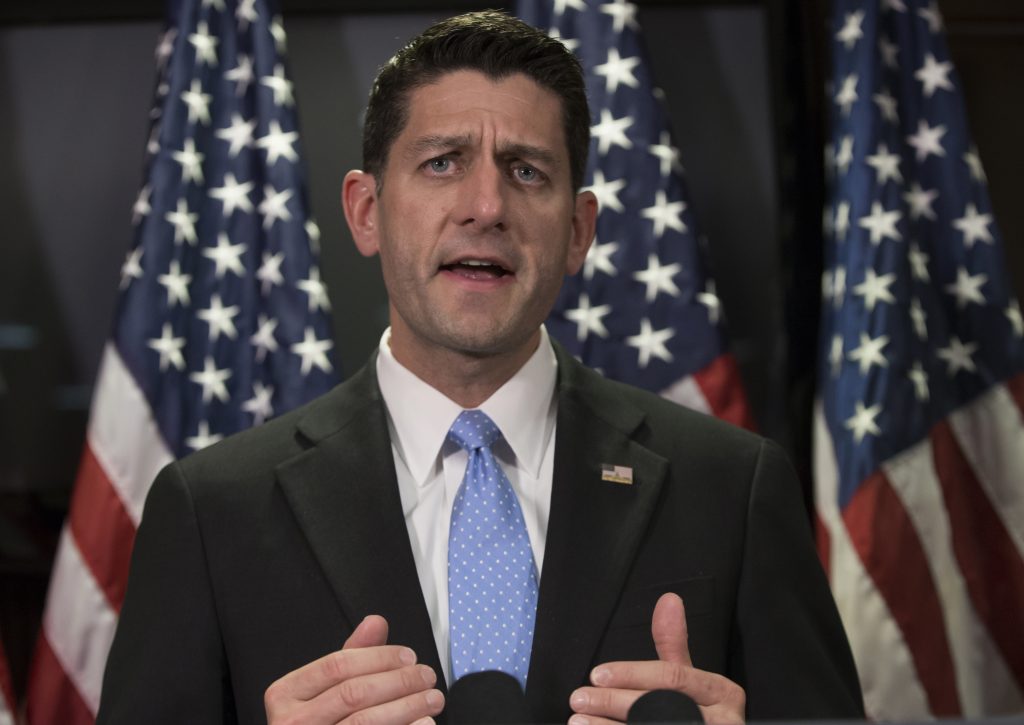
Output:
(584, 222)
(359, 200)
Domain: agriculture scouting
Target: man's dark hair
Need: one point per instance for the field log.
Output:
(494, 44)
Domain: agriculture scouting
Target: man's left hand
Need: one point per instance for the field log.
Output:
(617, 685)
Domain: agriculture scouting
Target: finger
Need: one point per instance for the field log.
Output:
(370, 691)
(592, 720)
(705, 688)
(316, 677)
(725, 714)
(419, 707)
(606, 702)
(668, 628)
(371, 632)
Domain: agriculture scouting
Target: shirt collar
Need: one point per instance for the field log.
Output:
(421, 415)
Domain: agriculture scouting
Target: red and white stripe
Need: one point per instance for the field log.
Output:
(123, 453)
(7, 704)
(926, 564)
(716, 389)
(6, 708)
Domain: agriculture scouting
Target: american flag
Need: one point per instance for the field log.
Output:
(919, 437)
(644, 310)
(222, 321)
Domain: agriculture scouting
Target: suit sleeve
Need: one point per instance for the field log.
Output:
(167, 664)
(790, 649)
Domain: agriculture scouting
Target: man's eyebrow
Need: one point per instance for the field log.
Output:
(433, 143)
(528, 152)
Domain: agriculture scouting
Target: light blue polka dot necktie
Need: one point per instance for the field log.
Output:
(492, 579)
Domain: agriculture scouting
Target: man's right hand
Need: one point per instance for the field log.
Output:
(367, 682)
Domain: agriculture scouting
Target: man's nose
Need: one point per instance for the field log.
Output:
(483, 197)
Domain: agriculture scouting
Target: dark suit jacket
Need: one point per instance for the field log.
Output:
(261, 553)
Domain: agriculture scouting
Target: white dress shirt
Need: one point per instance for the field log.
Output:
(430, 468)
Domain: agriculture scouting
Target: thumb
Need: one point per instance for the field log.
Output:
(668, 628)
(371, 632)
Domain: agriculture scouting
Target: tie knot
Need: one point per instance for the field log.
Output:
(473, 429)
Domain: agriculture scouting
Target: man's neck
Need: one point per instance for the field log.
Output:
(466, 378)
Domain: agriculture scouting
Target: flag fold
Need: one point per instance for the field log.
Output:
(919, 440)
(222, 320)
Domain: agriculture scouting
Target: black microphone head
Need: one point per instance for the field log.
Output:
(664, 706)
(487, 698)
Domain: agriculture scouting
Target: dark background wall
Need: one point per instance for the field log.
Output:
(743, 83)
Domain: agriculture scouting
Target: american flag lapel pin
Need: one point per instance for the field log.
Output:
(617, 474)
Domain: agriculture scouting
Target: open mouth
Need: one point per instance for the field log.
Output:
(476, 269)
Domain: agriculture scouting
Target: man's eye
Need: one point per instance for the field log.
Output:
(527, 173)
(440, 165)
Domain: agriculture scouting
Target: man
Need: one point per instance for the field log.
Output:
(330, 526)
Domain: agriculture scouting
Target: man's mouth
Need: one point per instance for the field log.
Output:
(477, 269)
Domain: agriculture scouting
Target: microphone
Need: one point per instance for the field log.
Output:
(487, 698)
(664, 706)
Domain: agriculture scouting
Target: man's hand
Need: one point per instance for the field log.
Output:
(367, 682)
(617, 685)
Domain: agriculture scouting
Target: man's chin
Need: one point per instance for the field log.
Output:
(486, 346)
(489, 341)
(477, 332)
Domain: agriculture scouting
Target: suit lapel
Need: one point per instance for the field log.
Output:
(344, 495)
(594, 530)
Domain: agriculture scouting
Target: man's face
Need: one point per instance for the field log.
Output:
(477, 221)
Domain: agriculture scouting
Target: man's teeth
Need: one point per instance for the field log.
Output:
(479, 266)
